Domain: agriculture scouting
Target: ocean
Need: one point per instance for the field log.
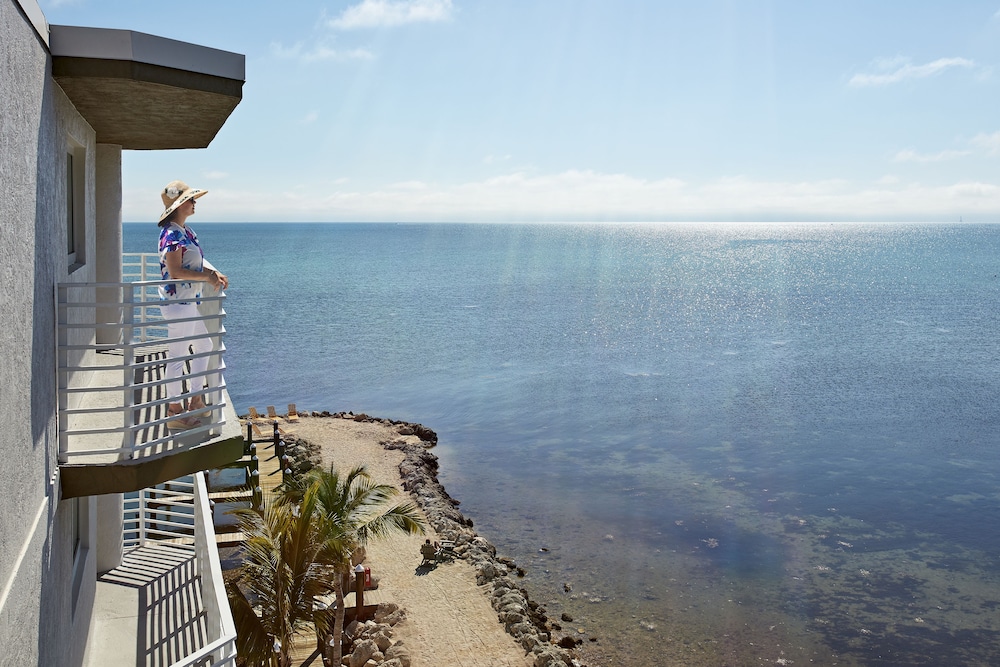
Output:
(707, 444)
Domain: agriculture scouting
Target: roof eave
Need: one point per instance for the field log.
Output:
(145, 92)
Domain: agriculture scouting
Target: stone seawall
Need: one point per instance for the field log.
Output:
(523, 618)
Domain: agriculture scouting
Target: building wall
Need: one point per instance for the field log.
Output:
(43, 619)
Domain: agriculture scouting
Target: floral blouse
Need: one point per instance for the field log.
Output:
(174, 238)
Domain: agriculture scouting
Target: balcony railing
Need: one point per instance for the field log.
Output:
(112, 349)
(170, 529)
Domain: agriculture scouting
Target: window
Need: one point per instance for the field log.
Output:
(79, 519)
(76, 193)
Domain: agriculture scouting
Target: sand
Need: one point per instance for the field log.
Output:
(449, 620)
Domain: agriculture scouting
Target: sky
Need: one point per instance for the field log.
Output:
(585, 110)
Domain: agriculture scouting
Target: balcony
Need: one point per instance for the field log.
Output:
(166, 603)
(112, 349)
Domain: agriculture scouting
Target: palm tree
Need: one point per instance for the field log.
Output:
(281, 574)
(348, 511)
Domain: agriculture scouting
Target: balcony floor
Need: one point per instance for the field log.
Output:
(95, 463)
(148, 612)
(103, 397)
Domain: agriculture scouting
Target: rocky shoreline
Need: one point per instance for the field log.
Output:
(523, 618)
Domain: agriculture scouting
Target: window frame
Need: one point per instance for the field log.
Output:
(75, 180)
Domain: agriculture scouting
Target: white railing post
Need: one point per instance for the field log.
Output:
(128, 361)
(145, 260)
(213, 312)
(141, 517)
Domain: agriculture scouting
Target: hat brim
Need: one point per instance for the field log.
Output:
(190, 193)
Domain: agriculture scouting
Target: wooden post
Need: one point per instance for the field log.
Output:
(359, 592)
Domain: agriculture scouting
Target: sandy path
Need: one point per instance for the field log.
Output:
(449, 620)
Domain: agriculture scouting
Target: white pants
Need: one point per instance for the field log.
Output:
(176, 350)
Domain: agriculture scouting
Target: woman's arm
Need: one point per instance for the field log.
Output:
(172, 259)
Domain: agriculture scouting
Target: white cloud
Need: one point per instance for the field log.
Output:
(216, 175)
(942, 156)
(990, 143)
(981, 144)
(584, 195)
(318, 53)
(390, 13)
(900, 69)
(310, 118)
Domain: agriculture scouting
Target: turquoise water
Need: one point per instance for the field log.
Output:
(707, 444)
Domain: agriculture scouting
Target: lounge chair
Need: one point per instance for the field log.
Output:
(293, 415)
(446, 552)
(428, 553)
(253, 421)
(273, 416)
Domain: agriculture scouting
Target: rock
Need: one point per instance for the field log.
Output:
(521, 629)
(363, 652)
(395, 617)
(510, 599)
(384, 610)
(566, 618)
(530, 643)
(510, 618)
(399, 652)
(552, 657)
(383, 639)
(485, 572)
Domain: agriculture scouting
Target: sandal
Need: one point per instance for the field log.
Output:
(203, 411)
(181, 421)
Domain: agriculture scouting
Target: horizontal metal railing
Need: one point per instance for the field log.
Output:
(144, 267)
(178, 514)
(112, 344)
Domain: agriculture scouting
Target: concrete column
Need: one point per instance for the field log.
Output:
(108, 252)
(108, 259)
(110, 531)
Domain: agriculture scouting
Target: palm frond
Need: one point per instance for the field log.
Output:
(253, 643)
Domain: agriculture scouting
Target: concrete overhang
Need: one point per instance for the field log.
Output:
(145, 92)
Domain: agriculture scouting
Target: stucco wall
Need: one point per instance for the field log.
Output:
(37, 625)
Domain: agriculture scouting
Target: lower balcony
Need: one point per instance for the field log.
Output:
(165, 604)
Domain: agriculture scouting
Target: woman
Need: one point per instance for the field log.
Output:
(182, 260)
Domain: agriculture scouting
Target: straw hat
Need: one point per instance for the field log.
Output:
(175, 194)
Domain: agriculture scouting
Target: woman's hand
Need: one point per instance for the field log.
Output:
(218, 279)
